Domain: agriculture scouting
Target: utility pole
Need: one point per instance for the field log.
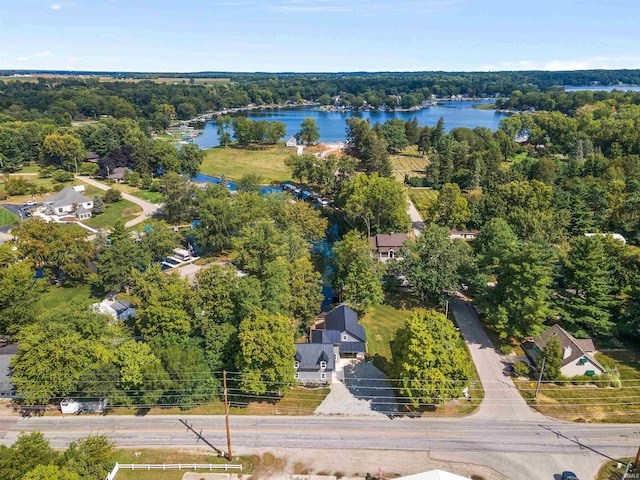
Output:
(540, 378)
(635, 462)
(226, 413)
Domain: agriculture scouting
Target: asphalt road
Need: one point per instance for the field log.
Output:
(457, 439)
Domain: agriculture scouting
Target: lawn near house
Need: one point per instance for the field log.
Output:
(297, 401)
(120, 210)
(381, 324)
(236, 162)
(61, 296)
(591, 403)
(7, 217)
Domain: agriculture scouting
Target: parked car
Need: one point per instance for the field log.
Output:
(30, 203)
(569, 476)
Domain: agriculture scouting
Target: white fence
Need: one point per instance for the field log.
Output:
(171, 466)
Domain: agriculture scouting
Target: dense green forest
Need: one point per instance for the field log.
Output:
(574, 169)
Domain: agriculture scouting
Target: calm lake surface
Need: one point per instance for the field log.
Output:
(332, 125)
(623, 88)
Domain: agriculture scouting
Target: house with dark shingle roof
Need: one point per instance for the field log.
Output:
(578, 354)
(387, 245)
(342, 335)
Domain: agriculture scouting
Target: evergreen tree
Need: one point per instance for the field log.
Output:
(552, 356)
(588, 271)
(98, 205)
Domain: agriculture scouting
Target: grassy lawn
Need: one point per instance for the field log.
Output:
(408, 162)
(170, 456)
(590, 403)
(56, 297)
(236, 162)
(423, 199)
(298, 401)
(610, 470)
(381, 324)
(7, 217)
(120, 210)
(153, 197)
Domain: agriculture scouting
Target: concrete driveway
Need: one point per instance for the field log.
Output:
(501, 399)
(359, 388)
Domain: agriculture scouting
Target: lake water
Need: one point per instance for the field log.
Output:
(623, 88)
(332, 125)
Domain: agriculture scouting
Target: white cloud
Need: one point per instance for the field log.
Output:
(55, 6)
(587, 63)
(44, 54)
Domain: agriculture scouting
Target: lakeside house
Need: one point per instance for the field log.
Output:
(67, 201)
(578, 354)
(386, 246)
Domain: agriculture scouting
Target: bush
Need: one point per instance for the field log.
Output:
(155, 186)
(134, 179)
(18, 186)
(3, 195)
(145, 181)
(112, 195)
(415, 181)
(62, 176)
(56, 187)
(89, 168)
(46, 172)
(506, 349)
(521, 369)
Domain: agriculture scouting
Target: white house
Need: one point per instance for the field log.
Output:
(463, 234)
(68, 201)
(578, 354)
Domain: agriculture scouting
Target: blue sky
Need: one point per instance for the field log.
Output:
(318, 35)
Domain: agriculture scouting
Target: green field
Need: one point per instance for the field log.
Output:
(120, 210)
(591, 403)
(62, 296)
(153, 197)
(236, 162)
(7, 217)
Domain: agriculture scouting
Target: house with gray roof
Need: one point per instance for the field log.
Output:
(68, 201)
(338, 335)
(385, 246)
(578, 354)
(314, 363)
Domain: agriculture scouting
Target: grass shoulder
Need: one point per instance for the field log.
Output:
(595, 402)
(614, 470)
(7, 217)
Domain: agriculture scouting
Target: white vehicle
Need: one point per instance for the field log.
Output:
(30, 203)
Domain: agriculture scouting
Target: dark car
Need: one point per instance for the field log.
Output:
(569, 476)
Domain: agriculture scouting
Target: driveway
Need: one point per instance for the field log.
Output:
(501, 398)
(359, 388)
(148, 209)
(417, 223)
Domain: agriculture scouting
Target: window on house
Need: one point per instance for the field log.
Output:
(323, 365)
(323, 376)
(296, 376)
(391, 254)
(345, 338)
(296, 365)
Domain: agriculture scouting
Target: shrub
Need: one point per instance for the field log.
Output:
(89, 168)
(506, 349)
(521, 369)
(112, 195)
(3, 195)
(61, 176)
(134, 179)
(56, 187)
(145, 181)
(18, 186)
(46, 172)
(155, 186)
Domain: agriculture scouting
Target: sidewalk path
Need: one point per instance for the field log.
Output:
(148, 209)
